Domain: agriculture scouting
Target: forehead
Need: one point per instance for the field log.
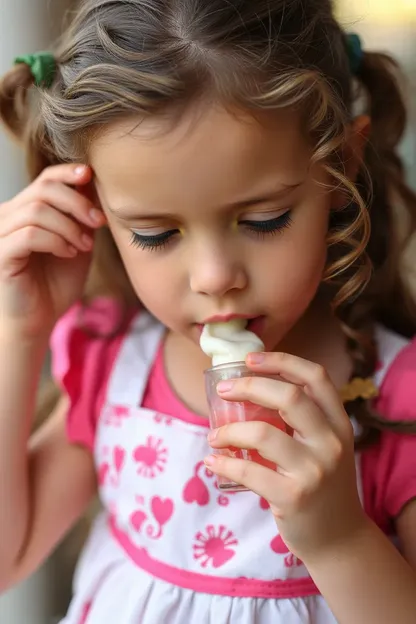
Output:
(209, 155)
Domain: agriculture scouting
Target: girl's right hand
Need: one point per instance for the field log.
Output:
(45, 250)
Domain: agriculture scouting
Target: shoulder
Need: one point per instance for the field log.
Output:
(396, 376)
(98, 319)
(84, 346)
(389, 467)
(85, 333)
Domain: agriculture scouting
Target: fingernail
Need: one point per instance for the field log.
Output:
(80, 170)
(225, 386)
(212, 435)
(96, 216)
(210, 460)
(255, 358)
(86, 241)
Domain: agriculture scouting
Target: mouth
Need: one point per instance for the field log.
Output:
(254, 323)
(224, 318)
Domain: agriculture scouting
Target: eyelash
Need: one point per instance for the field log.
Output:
(259, 228)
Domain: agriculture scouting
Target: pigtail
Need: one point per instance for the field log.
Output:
(393, 201)
(14, 104)
(387, 298)
(19, 112)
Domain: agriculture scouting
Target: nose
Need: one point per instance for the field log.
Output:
(215, 271)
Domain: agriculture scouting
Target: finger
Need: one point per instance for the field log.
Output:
(66, 176)
(67, 200)
(263, 481)
(304, 373)
(71, 173)
(47, 218)
(17, 247)
(272, 443)
(295, 407)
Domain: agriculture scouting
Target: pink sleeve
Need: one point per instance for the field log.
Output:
(389, 468)
(83, 353)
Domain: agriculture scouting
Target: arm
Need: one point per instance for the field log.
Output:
(49, 482)
(366, 580)
(44, 261)
(406, 531)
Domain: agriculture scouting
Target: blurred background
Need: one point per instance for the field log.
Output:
(30, 25)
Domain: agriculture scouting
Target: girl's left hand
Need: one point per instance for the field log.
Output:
(313, 494)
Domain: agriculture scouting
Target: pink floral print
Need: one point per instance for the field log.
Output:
(213, 546)
(151, 457)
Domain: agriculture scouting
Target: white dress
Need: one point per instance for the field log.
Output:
(169, 547)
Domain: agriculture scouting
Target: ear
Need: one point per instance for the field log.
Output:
(353, 153)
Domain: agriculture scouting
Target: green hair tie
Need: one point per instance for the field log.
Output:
(355, 52)
(42, 66)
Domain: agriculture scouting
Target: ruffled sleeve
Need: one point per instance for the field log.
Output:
(83, 349)
(389, 468)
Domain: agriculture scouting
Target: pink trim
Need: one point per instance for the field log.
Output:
(243, 587)
(85, 611)
(160, 397)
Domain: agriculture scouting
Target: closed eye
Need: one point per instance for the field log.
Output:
(155, 241)
(269, 226)
(259, 228)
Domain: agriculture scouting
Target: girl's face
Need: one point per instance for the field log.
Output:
(221, 215)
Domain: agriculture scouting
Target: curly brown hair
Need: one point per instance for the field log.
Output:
(129, 58)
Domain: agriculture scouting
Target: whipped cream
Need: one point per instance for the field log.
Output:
(229, 342)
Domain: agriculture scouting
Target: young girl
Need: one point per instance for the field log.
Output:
(224, 159)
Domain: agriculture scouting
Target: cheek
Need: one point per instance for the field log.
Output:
(135, 263)
(145, 271)
(145, 274)
(300, 262)
(305, 275)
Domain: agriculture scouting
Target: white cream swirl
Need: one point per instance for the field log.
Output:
(229, 342)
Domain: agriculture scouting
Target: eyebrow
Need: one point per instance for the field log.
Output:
(131, 212)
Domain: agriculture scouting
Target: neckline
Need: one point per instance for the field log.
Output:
(178, 407)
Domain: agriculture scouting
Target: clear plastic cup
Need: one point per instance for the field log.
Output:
(222, 412)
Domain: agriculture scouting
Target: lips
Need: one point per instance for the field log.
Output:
(224, 318)
(254, 324)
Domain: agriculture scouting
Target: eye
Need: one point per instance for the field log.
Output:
(156, 241)
(260, 228)
(270, 226)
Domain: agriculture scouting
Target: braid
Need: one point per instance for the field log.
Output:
(349, 274)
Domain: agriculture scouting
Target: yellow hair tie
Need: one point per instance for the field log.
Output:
(359, 388)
